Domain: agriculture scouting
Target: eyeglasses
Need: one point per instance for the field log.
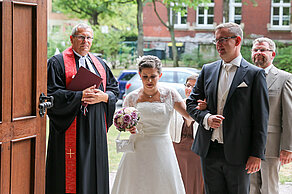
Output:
(189, 86)
(223, 39)
(81, 37)
(261, 50)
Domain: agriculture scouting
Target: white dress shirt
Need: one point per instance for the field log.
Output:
(267, 69)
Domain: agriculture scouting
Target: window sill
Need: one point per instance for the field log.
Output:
(208, 28)
(280, 28)
(181, 27)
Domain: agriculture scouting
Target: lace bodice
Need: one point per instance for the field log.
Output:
(167, 95)
(155, 116)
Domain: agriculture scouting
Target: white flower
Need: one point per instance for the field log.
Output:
(129, 110)
(120, 120)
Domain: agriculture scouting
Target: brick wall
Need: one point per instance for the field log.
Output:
(255, 21)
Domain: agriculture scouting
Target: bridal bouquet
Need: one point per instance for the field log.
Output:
(125, 118)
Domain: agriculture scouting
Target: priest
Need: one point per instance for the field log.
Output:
(77, 156)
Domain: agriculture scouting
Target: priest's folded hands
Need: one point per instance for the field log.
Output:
(92, 95)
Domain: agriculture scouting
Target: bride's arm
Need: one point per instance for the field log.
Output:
(181, 108)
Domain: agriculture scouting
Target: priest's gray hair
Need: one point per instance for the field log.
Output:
(80, 26)
(149, 61)
(271, 43)
(233, 28)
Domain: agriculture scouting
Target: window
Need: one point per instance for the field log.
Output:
(280, 14)
(127, 76)
(167, 76)
(180, 19)
(182, 77)
(205, 14)
(235, 11)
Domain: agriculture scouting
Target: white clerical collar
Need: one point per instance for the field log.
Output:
(236, 61)
(82, 60)
(267, 69)
(79, 54)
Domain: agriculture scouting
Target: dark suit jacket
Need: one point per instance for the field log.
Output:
(246, 112)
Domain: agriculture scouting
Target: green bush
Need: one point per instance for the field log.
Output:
(195, 60)
(283, 59)
(246, 52)
(59, 41)
(111, 46)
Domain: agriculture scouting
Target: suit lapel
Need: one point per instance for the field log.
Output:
(215, 78)
(238, 78)
(272, 77)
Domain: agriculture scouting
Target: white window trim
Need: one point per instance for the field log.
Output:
(205, 25)
(181, 26)
(232, 6)
(279, 27)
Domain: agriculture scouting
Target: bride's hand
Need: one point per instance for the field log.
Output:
(132, 130)
(202, 104)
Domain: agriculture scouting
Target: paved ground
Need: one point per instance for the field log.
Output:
(284, 188)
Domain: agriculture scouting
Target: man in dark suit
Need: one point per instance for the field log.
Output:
(232, 131)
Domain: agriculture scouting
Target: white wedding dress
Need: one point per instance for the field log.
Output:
(153, 167)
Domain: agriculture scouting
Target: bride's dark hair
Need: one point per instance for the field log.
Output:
(149, 61)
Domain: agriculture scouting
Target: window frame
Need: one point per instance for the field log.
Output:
(280, 5)
(206, 15)
(179, 16)
(232, 5)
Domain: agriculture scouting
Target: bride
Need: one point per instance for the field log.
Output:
(152, 168)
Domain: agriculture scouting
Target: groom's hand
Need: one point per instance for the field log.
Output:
(214, 121)
(253, 165)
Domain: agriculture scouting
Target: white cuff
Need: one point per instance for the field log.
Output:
(205, 121)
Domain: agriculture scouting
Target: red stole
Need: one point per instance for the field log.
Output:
(70, 135)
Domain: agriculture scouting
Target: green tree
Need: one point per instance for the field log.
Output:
(58, 39)
(124, 19)
(96, 10)
(109, 44)
(87, 9)
(140, 41)
(175, 6)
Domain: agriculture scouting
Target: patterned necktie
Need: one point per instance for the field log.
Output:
(224, 85)
(225, 77)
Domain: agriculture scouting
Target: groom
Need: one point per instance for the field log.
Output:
(232, 131)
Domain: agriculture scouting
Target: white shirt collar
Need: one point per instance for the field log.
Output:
(267, 69)
(79, 54)
(236, 61)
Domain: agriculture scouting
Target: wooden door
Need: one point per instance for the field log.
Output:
(22, 79)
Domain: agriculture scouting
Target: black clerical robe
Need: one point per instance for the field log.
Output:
(92, 156)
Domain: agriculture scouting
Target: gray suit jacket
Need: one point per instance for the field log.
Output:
(280, 122)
